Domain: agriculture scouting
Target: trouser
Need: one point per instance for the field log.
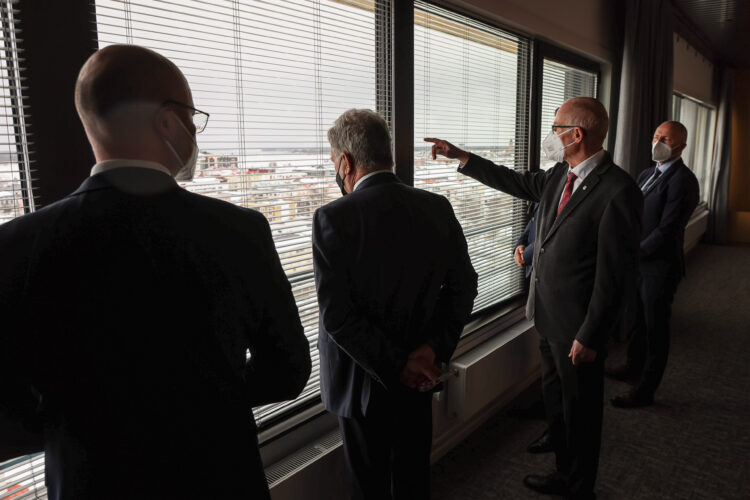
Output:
(387, 452)
(648, 348)
(573, 400)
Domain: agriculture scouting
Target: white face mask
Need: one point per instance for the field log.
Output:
(660, 152)
(553, 146)
(187, 169)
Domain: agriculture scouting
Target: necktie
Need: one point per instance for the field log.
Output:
(567, 191)
(650, 182)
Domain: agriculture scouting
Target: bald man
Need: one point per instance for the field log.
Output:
(587, 233)
(671, 193)
(130, 305)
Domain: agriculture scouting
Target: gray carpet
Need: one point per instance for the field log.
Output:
(693, 443)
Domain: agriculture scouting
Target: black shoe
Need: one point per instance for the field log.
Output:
(551, 484)
(543, 444)
(622, 373)
(634, 398)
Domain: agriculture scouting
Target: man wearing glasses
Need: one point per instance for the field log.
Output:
(585, 255)
(132, 304)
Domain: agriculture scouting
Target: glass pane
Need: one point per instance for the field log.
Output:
(466, 90)
(561, 82)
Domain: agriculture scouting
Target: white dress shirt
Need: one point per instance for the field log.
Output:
(389, 171)
(106, 165)
(582, 170)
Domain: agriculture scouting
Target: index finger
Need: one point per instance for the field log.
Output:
(432, 139)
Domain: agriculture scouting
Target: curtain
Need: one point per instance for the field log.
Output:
(717, 204)
(646, 82)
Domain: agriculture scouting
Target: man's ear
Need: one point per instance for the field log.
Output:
(348, 163)
(164, 122)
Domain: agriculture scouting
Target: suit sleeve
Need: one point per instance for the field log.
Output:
(616, 265)
(456, 297)
(279, 364)
(363, 341)
(526, 185)
(524, 238)
(20, 426)
(681, 202)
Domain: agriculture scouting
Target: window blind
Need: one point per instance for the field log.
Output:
(561, 82)
(21, 477)
(470, 84)
(273, 75)
(16, 195)
(700, 121)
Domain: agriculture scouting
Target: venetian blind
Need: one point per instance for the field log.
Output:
(21, 477)
(561, 82)
(273, 75)
(470, 82)
(700, 121)
(16, 196)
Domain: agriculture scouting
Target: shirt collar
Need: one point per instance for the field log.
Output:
(107, 165)
(586, 166)
(664, 166)
(356, 184)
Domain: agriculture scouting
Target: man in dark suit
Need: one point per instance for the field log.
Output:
(395, 288)
(523, 254)
(671, 193)
(130, 306)
(588, 228)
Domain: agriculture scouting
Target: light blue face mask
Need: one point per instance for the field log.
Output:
(187, 169)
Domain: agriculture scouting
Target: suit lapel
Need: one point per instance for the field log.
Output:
(663, 177)
(546, 219)
(583, 191)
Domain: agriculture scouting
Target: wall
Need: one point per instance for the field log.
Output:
(693, 73)
(739, 176)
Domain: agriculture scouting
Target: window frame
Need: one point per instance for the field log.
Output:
(66, 30)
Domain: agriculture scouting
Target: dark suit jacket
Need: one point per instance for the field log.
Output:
(129, 306)
(393, 272)
(667, 207)
(583, 258)
(527, 240)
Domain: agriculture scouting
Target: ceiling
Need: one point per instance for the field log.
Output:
(725, 26)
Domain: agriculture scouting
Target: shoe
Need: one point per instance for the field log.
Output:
(634, 398)
(622, 373)
(551, 484)
(543, 444)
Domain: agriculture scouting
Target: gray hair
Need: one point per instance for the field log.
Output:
(364, 135)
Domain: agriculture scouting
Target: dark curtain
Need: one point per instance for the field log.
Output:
(646, 81)
(720, 165)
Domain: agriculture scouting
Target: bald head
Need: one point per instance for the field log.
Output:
(119, 82)
(588, 114)
(673, 134)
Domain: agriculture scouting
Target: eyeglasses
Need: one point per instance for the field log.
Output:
(200, 118)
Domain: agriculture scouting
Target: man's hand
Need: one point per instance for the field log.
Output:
(518, 255)
(579, 353)
(420, 369)
(447, 149)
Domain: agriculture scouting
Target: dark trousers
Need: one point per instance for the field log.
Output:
(573, 399)
(648, 348)
(387, 452)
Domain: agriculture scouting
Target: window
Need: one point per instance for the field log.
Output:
(561, 82)
(15, 165)
(469, 84)
(700, 121)
(24, 476)
(274, 76)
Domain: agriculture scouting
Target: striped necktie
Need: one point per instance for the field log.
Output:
(567, 191)
(651, 180)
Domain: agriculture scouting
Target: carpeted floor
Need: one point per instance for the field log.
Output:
(693, 443)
